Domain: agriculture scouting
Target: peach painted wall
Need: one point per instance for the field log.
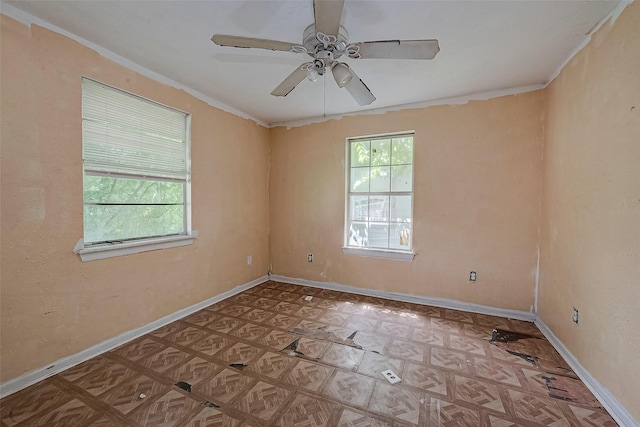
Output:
(590, 240)
(53, 305)
(476, 201)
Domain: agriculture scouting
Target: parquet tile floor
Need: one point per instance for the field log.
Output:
(451, 374)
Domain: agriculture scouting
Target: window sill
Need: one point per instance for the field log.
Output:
(107, 250)
(379, 253)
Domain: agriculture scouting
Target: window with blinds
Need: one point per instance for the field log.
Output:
(135, 156)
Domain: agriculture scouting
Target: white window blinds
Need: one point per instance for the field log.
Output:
(126, 135)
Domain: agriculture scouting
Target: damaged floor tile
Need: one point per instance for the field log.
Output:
(561, 382)
(320, 334)
(183, 385)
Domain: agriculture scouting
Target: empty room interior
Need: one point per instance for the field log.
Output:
(196, 234)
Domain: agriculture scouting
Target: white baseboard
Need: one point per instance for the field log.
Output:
(25, 380)
(415, 299)
(610, 403)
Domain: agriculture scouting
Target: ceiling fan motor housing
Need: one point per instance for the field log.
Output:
(325, 46)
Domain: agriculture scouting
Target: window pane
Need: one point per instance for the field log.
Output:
(379, 208)
(401, 178)
(379, 235)
(380, 178)
(380, 152)
(402, 153)
(400, 209)
(104, 189)
(400, 236)
(358, 234)
(359, 180)
(359, 208)
(102, 223)
(381, 185)
(360, 153)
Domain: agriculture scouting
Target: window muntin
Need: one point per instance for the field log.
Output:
(380, 192)
(136, 166)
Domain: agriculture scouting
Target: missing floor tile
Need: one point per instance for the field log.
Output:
(500, 335)
(293, 346)
(321, 334)
(292, 350)
(526, 357)
(183, 385)
(516, 344)
(570, 390)
(239, 366)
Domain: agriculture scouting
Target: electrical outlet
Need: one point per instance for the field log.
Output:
(249, 260)
(309, 257)
(575, 315)
(472, 276)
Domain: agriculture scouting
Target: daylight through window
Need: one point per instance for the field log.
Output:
(380, 192)
(135, 156)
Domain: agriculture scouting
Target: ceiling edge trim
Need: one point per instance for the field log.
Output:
(613, 16)
(458, 100)
(28, 19)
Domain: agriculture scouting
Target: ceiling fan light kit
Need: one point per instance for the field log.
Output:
(342, 74)
(312, 74)
(326, 41)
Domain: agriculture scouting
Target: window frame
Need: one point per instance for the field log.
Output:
(101, 250)
(387, 253)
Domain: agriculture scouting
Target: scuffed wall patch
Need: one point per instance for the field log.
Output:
(32, 206)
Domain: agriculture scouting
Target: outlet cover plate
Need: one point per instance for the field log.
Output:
(391, 376)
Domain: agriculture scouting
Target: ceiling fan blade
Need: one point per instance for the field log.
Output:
(328, 14)
(398, 49)
(359, 90)
(291, 81)
(247, 42)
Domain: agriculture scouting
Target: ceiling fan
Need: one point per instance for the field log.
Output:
(326, 41)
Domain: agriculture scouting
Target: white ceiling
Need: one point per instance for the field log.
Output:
(485, 46)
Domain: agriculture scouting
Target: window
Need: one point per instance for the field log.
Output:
(135, 156)
(379, 201)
